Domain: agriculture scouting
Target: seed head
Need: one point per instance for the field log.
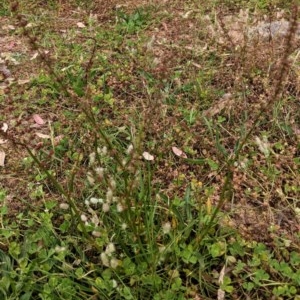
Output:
(105, 207)
(100, 172)
(64, 206)
(94, 200)
(104, 259)
(166, 227)
(92, 158)
(90, 178)
(96, 234)
(120, 207)
(129, 149)
(114, 263)
(110, 248)
(109, 195)
(83, 218)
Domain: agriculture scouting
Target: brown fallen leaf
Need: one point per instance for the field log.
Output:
(23, 81)
(2, 158)
(42, 136)
(178, 152)
(4, 127)
(34, 56)
(225, 103)
(80, 25)
(221, 293)
(148, 156)
(38, 120)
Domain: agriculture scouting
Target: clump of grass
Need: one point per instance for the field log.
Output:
(112, 231)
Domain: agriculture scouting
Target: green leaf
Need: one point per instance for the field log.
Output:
(14, 249)
(260, 275)
(226, 285)
(79, 272)
(126, 293)
(153, 280)
(100, 284)
(26, 296)
(177, 284)
(50, 204)
(248, 286)
(129, 266)
(217, 249)
(213, 165)
(295, 258)
(197, 161)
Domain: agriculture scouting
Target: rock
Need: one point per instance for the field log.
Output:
(275, 29)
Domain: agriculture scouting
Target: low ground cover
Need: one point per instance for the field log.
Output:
(149, 150)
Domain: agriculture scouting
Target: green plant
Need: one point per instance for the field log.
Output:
(132, 23)
(108, 210)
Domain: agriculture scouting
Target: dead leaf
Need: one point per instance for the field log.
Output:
(2, 158)
(43, 136)
(34, 56)
(4, 127)
(10, 27)
(38, 120)
(80, 25)
(5, 71)
(11, 45)
(221, 276)
(186, 15)
(165, 26)
(23, 81)
(150, 43)
(196, 65)
(178, 152)
(225, 103)
(148, 156)
(221, 293)
(2, 141)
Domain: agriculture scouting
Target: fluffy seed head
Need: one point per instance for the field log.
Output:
(166, 227)
(92, 158)
(114, 263)
(100, 172)
(83, 218)
(64, 206)
(90, 178)
(96, 234)
(105, 207)
(104, 259)
(94, 200)
(112, 184)
(59, 249)
(109, 195)
(120, 207)
(129, 149)
(110, 248)
(114, 283)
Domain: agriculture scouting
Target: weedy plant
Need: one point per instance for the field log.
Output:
(113, 233)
